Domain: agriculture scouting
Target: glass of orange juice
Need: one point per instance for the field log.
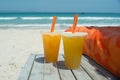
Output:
(51, 43)
(73, 46)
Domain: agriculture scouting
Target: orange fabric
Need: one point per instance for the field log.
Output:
(103, 45)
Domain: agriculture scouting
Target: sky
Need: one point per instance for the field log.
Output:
(104, 6)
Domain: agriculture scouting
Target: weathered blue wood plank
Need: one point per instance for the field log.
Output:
(50, 72)
(37, 70)
(81, 74)
(65, 73)
(25, 73)
(95, 70)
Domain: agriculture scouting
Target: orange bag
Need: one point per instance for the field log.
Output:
(103, 45)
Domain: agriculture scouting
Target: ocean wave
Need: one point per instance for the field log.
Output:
(35, 18)
(47, 26)
(32, 25)
(60, 18)
(100, 18)
(65, 18)
(40, 18)
(90, 18)
(23, 25)
(8, 18)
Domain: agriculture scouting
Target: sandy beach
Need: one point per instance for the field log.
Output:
(15, 47)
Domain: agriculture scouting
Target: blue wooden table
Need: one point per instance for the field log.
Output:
(36, 69)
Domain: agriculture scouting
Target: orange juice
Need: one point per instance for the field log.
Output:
(73, 45)
(51, 42)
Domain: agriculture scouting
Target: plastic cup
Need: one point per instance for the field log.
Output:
(51, 43)
(73, 46)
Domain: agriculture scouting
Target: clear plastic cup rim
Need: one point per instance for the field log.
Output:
(70, 34)
(50, 33)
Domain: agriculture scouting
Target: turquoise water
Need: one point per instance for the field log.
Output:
(64, 20)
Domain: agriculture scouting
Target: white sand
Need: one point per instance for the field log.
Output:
(15, 47)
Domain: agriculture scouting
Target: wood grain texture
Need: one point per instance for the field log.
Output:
(96, 71)
(25, 73)
(63, 71)
(36, 69)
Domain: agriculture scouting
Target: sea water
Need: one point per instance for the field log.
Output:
(64, 20)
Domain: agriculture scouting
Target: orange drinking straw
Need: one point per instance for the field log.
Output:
(53, 24)
(75, 23)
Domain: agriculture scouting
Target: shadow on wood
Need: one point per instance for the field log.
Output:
(40, 60)
(60, 65)
(100, 70)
